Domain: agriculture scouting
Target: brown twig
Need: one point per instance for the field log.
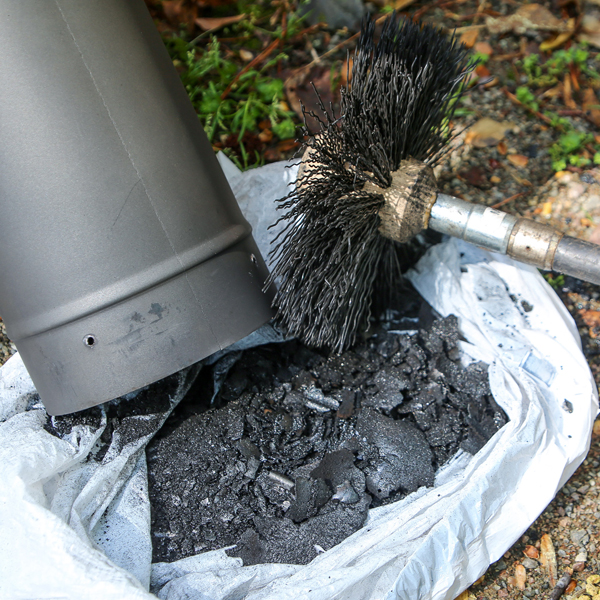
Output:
(439, 4)
(507, 200)
(256, 60)
(505, 57)
(560, 587)
(536, 113)
(574, 112)
(479, 12)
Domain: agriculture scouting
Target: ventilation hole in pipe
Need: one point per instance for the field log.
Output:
(89, 341)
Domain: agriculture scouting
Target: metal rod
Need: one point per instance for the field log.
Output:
(522, 239)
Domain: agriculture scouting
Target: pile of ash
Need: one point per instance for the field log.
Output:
(297, 445)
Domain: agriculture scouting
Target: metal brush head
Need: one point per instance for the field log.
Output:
(331, 258)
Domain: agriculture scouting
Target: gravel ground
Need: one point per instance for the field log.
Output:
(7, 348)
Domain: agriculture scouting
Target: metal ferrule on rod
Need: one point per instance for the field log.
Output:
(522, 239)
(480, 225)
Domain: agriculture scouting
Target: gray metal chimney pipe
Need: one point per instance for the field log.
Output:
(124, 256)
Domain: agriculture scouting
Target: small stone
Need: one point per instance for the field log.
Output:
(591, 202)
(580, 536)
(529, 563)
(564, 521)
(246, 55)
(519, 160)
(575, 191)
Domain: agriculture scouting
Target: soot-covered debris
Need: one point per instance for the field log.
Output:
(126, 420)
(299, 445)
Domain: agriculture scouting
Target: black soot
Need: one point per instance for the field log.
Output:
(284, 458)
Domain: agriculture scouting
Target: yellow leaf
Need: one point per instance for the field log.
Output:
(556, 41)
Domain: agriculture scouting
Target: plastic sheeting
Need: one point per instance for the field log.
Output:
(75, 527)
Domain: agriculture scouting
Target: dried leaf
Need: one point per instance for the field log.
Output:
(521, 180)
(487, 132)
(591, 105)
(475, 176)
(266, 135)
(590, 24)
(208, 23)
(591, 585)
(299, 92)
(502, 148)
(482, 71)
(572, 585)
(531, 552)
(468, 38)
(402, 4)
(556, 42)
(548, 558)
(590, 317)
(520, 576)
(172, 9)
(568, 93)
(179, 12)
(593, 39)
(519, 160)
(346, 71)
(553, 92)
(483, 48)
(529, 17)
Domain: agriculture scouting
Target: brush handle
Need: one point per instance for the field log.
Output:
(522, 239)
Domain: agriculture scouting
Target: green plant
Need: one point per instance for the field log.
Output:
(236, 101)
(548, 73)
(573, 147)
(555, 281)
(229, 106)
(562, 60)
(567, 150)
(527, 97)
(479, 58)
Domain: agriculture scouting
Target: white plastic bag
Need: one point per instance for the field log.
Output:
(72, 527)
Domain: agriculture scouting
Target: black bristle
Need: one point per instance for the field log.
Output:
(330, 257)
